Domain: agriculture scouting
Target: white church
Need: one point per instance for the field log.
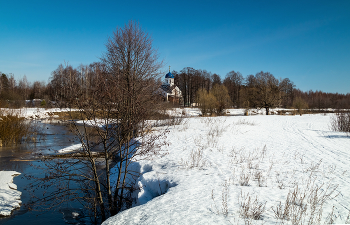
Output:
(169, 91)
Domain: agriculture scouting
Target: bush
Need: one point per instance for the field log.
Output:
(206, 102)
(43, 103)
(222, 98)
(300, 104)
(214, 102)
(15, 129)
(341, 122)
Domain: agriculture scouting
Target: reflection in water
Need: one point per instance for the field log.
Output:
(20, 158)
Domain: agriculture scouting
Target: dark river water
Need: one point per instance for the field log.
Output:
(21, 158)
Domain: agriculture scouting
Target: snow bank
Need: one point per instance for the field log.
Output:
(9, 196)
(97, 122)
(184, 112)
(151, 184)
(70, 148)
(209, 158)
(35, 113)
(193, 112)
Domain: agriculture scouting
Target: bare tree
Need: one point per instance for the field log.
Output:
(222, 98)
(133, 67)
(190, 81)
(266, 91)
(113, 123)
(233, 82)
(216, 79)
(23, 87)
(5, 86)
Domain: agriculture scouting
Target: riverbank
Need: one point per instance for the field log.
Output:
(10, 198)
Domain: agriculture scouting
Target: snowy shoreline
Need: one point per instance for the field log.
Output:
(10, 198)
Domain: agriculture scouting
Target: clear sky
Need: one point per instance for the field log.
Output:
(305, 41)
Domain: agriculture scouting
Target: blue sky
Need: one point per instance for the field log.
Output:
(305, 41)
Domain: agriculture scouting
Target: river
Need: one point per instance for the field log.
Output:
(23, 158)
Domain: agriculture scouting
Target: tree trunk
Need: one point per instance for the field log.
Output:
(98, 190)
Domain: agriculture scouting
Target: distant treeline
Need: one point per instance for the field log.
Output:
(240, 88)
(323, 100)
(13, 93)
(261, 90)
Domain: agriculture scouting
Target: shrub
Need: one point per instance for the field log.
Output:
(15, 129)
(246, 112)
(222, 98)
(300, 104)
(207, 102)
(43, 103)
(341, 121)
(214, 101)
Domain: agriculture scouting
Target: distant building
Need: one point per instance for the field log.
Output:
(169, 91)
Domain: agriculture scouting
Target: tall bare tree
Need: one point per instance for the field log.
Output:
(114, 114)
(133, 66)
(216, 79)
(233, 82)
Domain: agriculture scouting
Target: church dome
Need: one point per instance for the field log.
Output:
(169, 75)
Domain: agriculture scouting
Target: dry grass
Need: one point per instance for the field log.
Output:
(249, 162)
(314, 167)
(242, 155)
(347, 221)
(184, 125)
(279, 181)
(245, 122)
(244, 177)
(250, 208)
(306, 206)
(224, 210)
(216, 129)
(294, 207)
(15, 129)
(258, 175)
(195, 160)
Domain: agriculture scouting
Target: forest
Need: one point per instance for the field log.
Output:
(243, 92)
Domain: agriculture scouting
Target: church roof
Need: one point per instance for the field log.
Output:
(167, 88)
(169, 75)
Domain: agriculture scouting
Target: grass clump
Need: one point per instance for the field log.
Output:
(251, 208)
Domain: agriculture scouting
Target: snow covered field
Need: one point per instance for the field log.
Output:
(236, 170)
(240, 169)
(9, 196)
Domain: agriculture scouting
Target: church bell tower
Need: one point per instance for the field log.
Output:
(169, 78)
